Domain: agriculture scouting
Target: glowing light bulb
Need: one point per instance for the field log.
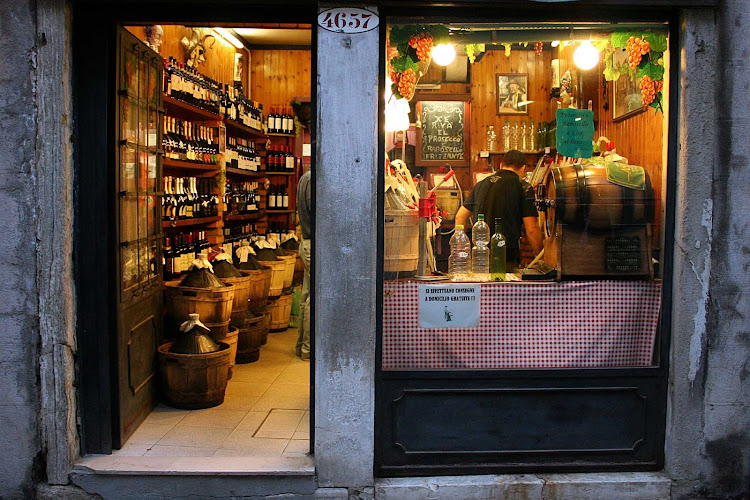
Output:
(586, 56)
(555, 43)
(444, 54)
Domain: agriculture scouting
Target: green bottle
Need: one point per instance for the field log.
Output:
(497, 250)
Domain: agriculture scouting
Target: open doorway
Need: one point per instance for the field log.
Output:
(211, 133)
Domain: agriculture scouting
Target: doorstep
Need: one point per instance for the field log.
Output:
(585, 486)
(165, 477)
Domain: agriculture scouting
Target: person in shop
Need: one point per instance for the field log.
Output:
(506, 195)
(304, 209)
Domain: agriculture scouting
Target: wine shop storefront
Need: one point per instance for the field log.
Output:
(397, 409)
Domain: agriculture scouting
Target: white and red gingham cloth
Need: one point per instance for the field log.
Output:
(528, 325)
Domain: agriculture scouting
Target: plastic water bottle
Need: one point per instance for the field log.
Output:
(506, 136)
(497, 249)
(491, 139)
(459, 263)
(524, 140)
(480, 253)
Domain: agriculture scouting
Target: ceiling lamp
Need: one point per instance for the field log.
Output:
(228, 37)
(444, 54)
(586, 56)
(555, 43)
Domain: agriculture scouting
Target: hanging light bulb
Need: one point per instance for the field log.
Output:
(586, 56)
(555, 43)
(444, 54)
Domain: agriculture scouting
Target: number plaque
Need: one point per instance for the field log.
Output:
(347, 20)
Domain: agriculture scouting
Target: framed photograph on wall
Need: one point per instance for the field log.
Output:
(512, 97)
(626, 93)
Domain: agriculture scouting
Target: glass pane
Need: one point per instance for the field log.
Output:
(143, 216)
(128, 218)
(144, 256)
(153, 118)
(127, 169)
(153, 263)
(154, 214)
(143, 80)
(130, 72)
(153, 86)
(142, 126)
(129, 265)
(151, 160)
(128, 119)
(579, 238)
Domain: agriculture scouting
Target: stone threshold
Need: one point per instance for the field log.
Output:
(215, 466)
(583, 486)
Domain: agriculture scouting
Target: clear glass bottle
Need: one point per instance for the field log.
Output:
(532, 137)
(497, 253)
(480, 253)
(459, 262)
(514, 136)
(506, 136)
(491, 139)
(524, 139)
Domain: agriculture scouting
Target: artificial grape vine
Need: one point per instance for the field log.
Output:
(408, 54)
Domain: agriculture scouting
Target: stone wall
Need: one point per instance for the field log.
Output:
(19, 367)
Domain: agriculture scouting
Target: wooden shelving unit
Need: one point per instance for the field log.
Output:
(245, 173)
(241, 217)
(200, 221)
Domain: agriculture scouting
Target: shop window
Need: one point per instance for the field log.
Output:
(543, 349)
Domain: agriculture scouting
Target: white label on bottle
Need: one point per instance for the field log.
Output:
(277, 123)
(449, 306)
(347, 20)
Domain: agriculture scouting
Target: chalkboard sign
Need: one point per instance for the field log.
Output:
(444, 135)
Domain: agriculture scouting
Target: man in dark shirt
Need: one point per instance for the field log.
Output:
(504, 194)
(304, 210)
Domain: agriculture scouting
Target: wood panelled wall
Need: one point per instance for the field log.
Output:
(278, 76)
(219, 63)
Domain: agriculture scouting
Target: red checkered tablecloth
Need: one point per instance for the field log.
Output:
(528, 325)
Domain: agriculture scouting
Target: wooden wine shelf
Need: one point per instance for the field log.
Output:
(273, 134)
(271, 211)
(190, 222)
(279, 173)
(257, 215)
(246, 173)
(186, 111)
(238, 127)
(186, 165)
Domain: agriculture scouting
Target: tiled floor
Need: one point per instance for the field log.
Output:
(266, 413)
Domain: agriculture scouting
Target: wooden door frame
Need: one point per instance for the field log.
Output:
(94, 41)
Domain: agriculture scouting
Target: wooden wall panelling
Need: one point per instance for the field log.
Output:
(278, 76)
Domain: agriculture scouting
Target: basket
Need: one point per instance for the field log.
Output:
(249, 341)
(214, 305)
(194, 381)
(401, 243)
(242, 290)
(278, 268)
(259, 287)
(281, 310)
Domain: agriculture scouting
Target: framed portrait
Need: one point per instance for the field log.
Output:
(512, 93)
(626, 93)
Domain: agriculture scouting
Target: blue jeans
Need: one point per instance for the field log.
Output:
(303, 338)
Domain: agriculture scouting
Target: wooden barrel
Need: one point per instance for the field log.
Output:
(265, 326)
(281, 310)
(259, 287)
(242, 287)
(288, 270)
(231, 340)
(214, 305)
(278, 268)
(298, 264)
(249, 340)
(194, 381)
(584, 198)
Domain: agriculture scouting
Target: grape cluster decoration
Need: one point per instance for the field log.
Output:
(408, 54)
(645, 62)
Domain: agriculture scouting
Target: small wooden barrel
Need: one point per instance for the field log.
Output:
(214, 305)
(281, 310)
(241, 296)
(278, 267)
(249, 340)
(298, 264)
(584, 198)
(194, 381)
(259, 287)
(288, 270)
(231, 340)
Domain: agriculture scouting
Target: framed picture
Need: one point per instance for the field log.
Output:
(626, 93)
(512, 97)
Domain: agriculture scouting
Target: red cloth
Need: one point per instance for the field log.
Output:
(528, 325)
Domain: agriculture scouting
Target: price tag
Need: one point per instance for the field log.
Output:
(348, 20)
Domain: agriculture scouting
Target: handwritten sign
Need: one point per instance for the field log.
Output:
(575, 132)
(443, 136)
(449, 306)
(347, 20)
